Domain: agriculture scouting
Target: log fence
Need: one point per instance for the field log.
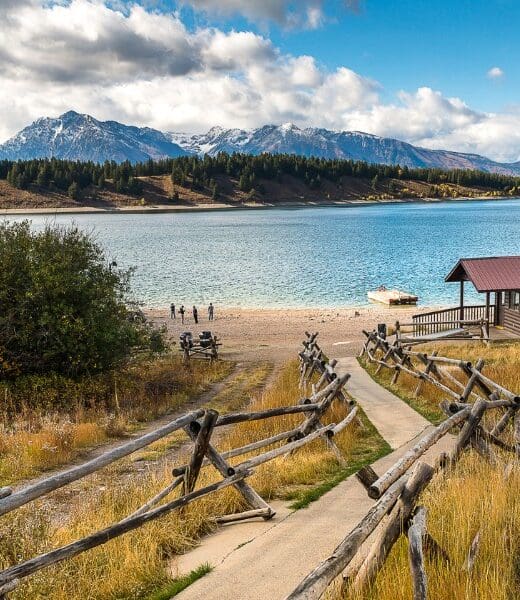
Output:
(326, 386)
(475, 402)
(396, 493)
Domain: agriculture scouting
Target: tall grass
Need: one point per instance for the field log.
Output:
(502, 364)
(48, 421)
(136, 564)
(475, 496)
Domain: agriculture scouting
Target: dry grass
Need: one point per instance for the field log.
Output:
(135, 565)
(473, 497)
(502, 364)
(49, 422)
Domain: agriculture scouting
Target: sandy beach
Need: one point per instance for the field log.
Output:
(251, 334)
(219, 206)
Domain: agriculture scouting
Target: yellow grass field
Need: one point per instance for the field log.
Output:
(135, 565)
(475, 496)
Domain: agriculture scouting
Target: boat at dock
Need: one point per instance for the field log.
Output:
(392, 297)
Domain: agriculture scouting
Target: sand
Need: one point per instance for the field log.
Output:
(252, 334)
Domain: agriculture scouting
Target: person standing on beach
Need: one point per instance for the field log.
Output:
(210, 311)
(195, 314)
(172, 311)
(181, 312)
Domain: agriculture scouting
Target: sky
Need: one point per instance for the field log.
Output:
(439, 74)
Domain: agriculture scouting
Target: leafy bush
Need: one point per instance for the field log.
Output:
(63, 307)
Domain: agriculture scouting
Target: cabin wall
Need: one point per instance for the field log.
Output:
(510, 312)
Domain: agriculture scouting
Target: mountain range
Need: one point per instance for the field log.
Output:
(82, 137)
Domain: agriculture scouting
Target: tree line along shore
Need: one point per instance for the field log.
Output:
(233, 179)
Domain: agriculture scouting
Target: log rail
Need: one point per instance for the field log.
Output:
(396, 492)
(200, 426)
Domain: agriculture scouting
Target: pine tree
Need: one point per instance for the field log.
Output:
(73, 191)
(214, 191)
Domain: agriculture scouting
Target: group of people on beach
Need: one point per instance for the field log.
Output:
(194, 311)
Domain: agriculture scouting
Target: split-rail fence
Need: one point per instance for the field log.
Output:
(396, 492)
(199, 426)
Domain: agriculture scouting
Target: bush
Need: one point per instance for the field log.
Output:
(63, 307)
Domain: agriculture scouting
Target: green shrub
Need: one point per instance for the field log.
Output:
(63, 307)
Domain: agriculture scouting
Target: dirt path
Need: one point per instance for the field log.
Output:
(256, 561)
(236, 387)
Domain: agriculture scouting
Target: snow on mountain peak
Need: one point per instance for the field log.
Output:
(82, 137)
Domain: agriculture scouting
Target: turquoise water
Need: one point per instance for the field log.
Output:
(302, 257)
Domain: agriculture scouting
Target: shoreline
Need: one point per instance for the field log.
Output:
(263, 334)
(164, 208)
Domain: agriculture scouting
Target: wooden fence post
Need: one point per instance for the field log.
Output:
(416, 535)
(203, 432)
(225, 469)
(393, 527)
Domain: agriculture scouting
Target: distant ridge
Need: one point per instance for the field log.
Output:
(324, 143)
(82, 137)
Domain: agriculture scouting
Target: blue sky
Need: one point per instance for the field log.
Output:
(437, 74)
(405, 44)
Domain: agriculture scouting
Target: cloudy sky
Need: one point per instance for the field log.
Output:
(440, 74)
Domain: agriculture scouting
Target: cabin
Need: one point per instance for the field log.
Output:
(498, 279)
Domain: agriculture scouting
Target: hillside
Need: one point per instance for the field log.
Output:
(159, 190)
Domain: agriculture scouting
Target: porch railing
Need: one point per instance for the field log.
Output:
(437, 321)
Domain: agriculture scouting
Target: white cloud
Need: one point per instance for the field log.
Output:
(495, 73)
(146, 68)
(287, 13)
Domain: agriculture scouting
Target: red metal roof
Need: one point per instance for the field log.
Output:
(493, 273)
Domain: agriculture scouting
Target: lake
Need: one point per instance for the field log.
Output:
(307, 257)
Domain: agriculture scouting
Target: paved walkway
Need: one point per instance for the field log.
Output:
(266, 560)
(394, 419)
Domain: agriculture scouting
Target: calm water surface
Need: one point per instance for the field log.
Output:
(304, 257)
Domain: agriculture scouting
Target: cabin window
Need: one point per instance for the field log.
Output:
(514, 300)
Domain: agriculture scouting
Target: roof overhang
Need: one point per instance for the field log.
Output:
(488, 274)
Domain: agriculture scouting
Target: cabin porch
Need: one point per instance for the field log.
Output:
(498, 319)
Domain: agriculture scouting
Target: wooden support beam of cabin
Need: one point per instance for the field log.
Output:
(488, 302)
(461, 304)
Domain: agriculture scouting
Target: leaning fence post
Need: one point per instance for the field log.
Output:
(226, 470)
(203, 431)
(416, 535)
(430, 364)
(468, 429)
(393, 527)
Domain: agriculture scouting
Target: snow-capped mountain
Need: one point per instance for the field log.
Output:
(81, 137)
(324, 143)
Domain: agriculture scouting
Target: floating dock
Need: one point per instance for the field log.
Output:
(392, 297)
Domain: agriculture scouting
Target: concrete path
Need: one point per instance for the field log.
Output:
(266, 560)
(394, 419)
